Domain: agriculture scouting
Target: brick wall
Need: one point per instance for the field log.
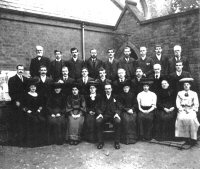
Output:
(182, 28)
(20, 32)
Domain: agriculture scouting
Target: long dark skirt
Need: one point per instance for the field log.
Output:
(56, 129)
(90, 128)
(145, 124)
(165, 125)
(36, 130)
(75, 128)
(128, 128)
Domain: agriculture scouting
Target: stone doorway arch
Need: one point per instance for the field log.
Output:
(135, 53)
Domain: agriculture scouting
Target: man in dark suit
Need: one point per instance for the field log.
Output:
(111, 65)
(177, 57)
(119, 83)
(67, 82)
(158, 58)
(38, 61)
(128, 63)
(83, 81)
(17, 88)
(75, 65)
(93, 64)
(108, 111)
(56, 66)
(43, 86)
(136, 84)
(102, 80)
(146, 63)
(177, 75)
(157, 78)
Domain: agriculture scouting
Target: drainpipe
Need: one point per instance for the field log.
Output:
(83, 40)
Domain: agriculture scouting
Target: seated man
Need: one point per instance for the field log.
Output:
(187, 104)
(108, 111)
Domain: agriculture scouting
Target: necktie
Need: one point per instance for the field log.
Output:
(21, 78)
(156, 76)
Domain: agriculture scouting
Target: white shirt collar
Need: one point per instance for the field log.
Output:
(158, 57)
(108, 96)
(58, 60)
(75, 59)
(43, 78)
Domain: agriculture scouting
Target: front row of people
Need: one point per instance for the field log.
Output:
(134, 118)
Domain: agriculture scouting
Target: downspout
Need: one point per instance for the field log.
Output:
(83, 40)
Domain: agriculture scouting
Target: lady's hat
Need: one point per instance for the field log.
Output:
(57, 85)
(76, 85)
(146, 81)
(93, 83)
(186, 80)
(126, 83)
(33, 81)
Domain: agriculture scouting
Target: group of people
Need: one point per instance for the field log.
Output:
(147, 98)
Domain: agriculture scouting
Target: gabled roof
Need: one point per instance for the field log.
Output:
(132, 8)
(104, 12)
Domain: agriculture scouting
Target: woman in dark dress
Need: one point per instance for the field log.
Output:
(56, 115)
(165, 115)
(129, 106)
(34, 115)
(90, 117)
(75, 110)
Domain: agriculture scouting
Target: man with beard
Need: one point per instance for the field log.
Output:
(38, 61)
(93, 64)
(75, 65)
(128, 63)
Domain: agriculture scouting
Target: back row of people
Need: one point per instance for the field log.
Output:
(111, 65)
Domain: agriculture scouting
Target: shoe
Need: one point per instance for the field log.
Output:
(100, 145)
(71, 142)
(117, 145)
(76, 142)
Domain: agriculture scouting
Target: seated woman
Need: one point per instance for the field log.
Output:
(187, 104)
(147, 105)
(165, 114)
(90, 117)
(75, 109)
(34, 115)
(128, 115)
(56, 115)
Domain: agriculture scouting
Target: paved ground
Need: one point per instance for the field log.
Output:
(141, 155)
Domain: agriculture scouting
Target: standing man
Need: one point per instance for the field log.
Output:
(75, 65)
(17, 89)
(67, 82)
(93, 64)
(38, 61)
(56, 66)
(108, 111)
(178, 57)
(111, 65)
(146, 63)
(178, 75)
(128, 63)
(158, 58)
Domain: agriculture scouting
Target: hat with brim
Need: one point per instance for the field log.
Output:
(33, 81)
(126, 83)
(57, 85)
(76, 85)
(146, 81)
(186, 80)
(93, 83)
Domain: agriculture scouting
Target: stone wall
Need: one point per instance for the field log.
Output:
(182, 28)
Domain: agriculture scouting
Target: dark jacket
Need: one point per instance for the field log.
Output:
(17, 88)
(35, 65)
(163, 62)
(129, 66)
(75, 68)
(111, 69)
(93, 67)
(56, 69)
(172, 65)
(146, 65)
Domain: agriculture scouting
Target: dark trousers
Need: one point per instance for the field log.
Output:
(100, 123)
